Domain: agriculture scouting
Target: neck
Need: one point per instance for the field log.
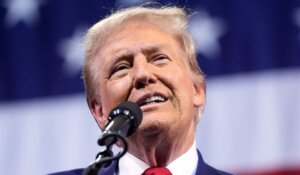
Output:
(161, 148)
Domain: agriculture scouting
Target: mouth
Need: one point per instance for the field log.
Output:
(151, 99)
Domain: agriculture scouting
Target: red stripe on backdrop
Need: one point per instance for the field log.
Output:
(295, 171)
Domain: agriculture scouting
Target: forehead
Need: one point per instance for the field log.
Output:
(134, 36)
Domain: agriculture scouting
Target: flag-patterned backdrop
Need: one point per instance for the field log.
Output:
(249, 50)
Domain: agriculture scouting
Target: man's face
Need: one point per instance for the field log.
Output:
(141, 63)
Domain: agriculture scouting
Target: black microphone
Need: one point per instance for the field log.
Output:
(124, 119)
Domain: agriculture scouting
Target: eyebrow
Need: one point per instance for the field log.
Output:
(153, 48)
(121, 55)
(127, 54)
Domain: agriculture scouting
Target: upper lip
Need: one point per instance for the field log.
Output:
(142, 99)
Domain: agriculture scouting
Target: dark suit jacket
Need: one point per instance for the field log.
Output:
(202, 169)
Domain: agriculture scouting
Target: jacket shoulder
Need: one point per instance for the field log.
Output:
(219, 172)
(204, 168)
(103, 171)
(69, 172)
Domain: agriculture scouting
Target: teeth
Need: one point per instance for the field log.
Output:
(155, 98)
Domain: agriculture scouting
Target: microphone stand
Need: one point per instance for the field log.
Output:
(104, 158)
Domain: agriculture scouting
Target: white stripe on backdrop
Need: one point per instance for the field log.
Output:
(251, 122)
(45, 135)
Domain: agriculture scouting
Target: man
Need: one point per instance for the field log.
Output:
(145, 55)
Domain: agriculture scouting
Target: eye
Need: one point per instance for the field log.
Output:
(160, 59)
(120, 69)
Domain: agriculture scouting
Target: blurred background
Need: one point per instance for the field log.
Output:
(249, 50)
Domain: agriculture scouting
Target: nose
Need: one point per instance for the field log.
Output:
(143, 74)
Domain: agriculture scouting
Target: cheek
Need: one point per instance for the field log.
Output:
(184, 87)
(177, 79)
(180, 79)
(113, 93)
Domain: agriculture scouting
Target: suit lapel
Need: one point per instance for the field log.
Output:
(203, 168)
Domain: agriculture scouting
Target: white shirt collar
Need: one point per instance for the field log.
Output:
(185, 164)
(130, 165)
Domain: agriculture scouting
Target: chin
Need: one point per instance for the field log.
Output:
(153, 129)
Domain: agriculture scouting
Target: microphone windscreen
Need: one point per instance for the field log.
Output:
(130, 110)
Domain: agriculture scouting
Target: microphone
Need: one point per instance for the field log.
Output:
(124, 119)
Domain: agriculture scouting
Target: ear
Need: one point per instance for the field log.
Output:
(199, 94)
(97, 111)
